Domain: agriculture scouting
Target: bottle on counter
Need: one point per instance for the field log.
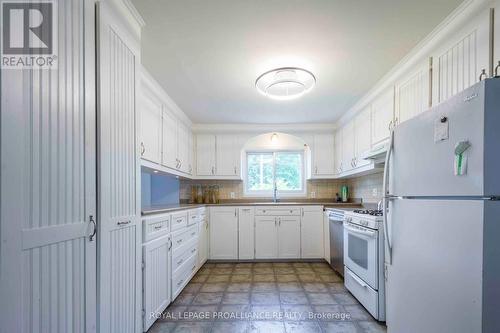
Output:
(337, 198)
(345, 194)
(217, 194)
(206, 195)
(199, 195)
(192, 198)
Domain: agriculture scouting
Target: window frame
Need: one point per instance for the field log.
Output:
(269, 193)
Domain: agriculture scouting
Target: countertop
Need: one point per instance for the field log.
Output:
(326, 204)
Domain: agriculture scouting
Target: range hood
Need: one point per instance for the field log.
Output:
(377, 153)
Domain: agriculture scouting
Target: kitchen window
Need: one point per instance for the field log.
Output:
(264, 169)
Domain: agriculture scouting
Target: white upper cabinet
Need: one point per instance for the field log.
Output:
(412, 93)
(348, 146)
(458, 63)
(183, 135)
(169, 147)
(191, 153)
(166, 136)
(227, 155)
(382, 116)
(151, 109)
(218, 156)
(337, 153)
(362, 141)
(322, 150)
(205, 155)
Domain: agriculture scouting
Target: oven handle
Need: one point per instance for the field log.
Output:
(358, 280)
(370, 234)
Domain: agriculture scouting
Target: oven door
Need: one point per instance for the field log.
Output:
(361, 252)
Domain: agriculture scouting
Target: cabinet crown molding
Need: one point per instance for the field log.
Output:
(262, 128)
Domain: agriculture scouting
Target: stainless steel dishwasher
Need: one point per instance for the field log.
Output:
(336, 226)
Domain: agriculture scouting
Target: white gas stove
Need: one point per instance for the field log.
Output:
(369, 218)
(364, 259)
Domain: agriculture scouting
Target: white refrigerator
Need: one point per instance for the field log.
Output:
(442, 220)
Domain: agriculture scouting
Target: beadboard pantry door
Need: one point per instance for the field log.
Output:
(120, 281)
(48, 193)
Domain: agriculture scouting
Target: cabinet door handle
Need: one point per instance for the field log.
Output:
(235, 172)
(390, 125)
(158, 227)
(316, 170)
(235, 212)
(94, 230)
(213, 170)
(123, 222)
(180, 261)
(275, 223)
(279, 220)
(143, 149)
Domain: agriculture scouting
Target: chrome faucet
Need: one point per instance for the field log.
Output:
(275, 193)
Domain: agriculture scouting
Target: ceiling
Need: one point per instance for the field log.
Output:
(207, 54)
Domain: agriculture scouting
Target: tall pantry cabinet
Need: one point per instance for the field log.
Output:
(119, 274)
(48, 184)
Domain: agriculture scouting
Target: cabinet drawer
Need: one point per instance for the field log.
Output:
(155, 227)
(193, 216)
(182, 276)
(181, 237)
(180, 257)
(277, 211)
(179, 220)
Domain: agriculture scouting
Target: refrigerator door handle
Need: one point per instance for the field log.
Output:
(386, 195)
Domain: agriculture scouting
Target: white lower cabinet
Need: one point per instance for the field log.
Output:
(223, 233)
(277, 236)
(202, 240)
(326, 238)
(246, 246)
(156, 278)
(266, 237)
(312, 232)
(288, 237)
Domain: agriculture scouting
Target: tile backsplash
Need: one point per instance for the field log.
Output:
(368, 188)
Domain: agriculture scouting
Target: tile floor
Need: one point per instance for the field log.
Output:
(268, 298)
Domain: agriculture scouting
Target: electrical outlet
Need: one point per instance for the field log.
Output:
(313, 195)
(375, 192)
(232, 195)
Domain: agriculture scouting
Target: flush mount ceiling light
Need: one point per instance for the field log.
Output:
(285, 83)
